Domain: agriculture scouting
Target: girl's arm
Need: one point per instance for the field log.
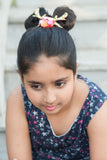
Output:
(97, 131)
(17, 133)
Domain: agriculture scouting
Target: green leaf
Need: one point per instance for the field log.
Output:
(14, 3)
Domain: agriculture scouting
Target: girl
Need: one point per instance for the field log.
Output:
(55, 114)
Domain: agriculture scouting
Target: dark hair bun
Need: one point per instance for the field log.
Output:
(70, 20)
(59, 11)
(34, 21)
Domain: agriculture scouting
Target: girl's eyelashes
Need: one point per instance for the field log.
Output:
(39, 86)
(60, 84)
(36, 87)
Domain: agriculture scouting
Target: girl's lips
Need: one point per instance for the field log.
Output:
(50, 108)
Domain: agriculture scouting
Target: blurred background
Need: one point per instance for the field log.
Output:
(89, 34)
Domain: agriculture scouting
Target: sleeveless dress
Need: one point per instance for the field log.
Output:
(74, 145)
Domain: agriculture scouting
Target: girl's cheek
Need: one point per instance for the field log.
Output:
(35, 96)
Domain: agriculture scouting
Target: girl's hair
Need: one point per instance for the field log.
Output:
(51, 42)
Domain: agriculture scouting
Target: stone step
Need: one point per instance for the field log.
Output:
(87, 59)
(50, 3)
(84, 13)
(87, 35)
(92, 59)
(0, 3)
(47, 3)
(3, 150)
(99, 77)
(89, 2)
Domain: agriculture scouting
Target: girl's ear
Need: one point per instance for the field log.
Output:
(21, 76)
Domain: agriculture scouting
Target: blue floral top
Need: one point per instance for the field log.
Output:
(74, 145)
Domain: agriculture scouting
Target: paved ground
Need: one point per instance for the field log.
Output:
(3, 152)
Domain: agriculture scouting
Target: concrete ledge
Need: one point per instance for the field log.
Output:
(84, 13)
(47, 3)
(3, 149)
(99, 77)
(89, 66)
(31, 3)
(10, 63)
(87, 59)
(96, 57)
(2, 129)
(87, 35)
(89, 2)
(91, 13)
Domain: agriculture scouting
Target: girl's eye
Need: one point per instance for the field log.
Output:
(60, 84)
(36, 86)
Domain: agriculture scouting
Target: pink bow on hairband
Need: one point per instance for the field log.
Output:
(48, 22)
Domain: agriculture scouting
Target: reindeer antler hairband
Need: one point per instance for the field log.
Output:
(48, 22)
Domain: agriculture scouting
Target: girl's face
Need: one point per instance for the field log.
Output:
(49, 86)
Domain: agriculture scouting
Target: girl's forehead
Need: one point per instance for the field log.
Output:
(47, 63)
(48, 67)
(59, 61)
(52, 59)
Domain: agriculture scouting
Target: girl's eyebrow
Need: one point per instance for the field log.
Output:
(61, 79)
(58, 80)
(33, 82)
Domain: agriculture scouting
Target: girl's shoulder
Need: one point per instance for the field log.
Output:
(95, 100)
(97, 132)
(15, 99)
(17, 126)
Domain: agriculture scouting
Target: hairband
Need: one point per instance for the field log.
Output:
(48, 22)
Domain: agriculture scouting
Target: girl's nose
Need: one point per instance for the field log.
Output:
(49, 97)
